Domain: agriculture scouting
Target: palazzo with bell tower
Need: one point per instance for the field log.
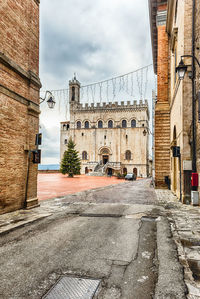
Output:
(111, 137)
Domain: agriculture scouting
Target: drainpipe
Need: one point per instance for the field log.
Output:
(27, 179)
(194, 168)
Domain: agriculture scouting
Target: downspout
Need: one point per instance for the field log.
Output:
(194, 168)
(27, 179)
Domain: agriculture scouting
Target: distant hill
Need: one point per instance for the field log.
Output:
(48, 167)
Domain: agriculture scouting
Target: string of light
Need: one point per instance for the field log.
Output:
(132, 85)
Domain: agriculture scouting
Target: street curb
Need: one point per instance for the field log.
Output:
(170, 273)
(11, 229)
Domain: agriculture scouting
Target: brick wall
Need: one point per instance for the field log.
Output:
(162, 114)
(19, 101)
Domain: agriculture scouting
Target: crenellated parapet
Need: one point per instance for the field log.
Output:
(111, 106)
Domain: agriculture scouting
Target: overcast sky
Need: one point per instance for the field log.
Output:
(96, 39)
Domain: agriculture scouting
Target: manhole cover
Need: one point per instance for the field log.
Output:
(73, 288)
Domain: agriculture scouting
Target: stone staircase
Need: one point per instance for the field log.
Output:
(98, 170)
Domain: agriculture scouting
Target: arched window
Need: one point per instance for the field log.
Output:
(86, 124)
(128, 155)
(133, 123)
(84, 155)
(73, 93)
(78, 125)
(110, 124)
(100, 124)
(124, 123)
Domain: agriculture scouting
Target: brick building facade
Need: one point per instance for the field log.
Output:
(158, 17)
(19, 102)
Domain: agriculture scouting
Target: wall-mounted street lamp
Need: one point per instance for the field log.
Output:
(37, 152)
(144, 132)
(181, 69)
(147, 131)
(50, 99)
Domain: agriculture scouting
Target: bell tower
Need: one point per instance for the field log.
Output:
(74, 91)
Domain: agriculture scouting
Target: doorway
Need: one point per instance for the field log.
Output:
(135, 171)
(110, 171)
(105, 159)
(125, 171)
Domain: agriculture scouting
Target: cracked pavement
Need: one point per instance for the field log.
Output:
(118, 234)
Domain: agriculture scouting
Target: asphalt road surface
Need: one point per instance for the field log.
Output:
(109, 234)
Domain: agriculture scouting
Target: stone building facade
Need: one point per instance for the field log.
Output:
(177, 22)
(179, 29)
(111, 138)
(19, 102)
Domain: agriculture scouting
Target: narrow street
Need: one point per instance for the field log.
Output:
(108, 234)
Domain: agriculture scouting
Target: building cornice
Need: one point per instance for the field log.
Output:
(32, 107)
(28, 75)
(170, 5)
(153, 7)
(153, 29)
(37, 2)
(111, 107)
(161, 18)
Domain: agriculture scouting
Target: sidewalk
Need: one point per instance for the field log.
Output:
(13, 220)
(185, 227)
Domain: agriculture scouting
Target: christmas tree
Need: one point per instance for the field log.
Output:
(71, 163)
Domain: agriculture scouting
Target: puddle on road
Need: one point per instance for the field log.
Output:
(195, 268)
(149, 218)
(190, 242)
(192, 246)
(135, 216)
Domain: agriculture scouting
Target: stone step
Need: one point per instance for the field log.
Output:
(32, 203)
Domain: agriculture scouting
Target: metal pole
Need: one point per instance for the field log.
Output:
(27, 179)
(180, 178)
(193, 92)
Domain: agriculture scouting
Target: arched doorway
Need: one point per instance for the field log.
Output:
(135, 171)
(105, 159)
(124, 170)
(104, 153)
(86, 170)
(110, 171)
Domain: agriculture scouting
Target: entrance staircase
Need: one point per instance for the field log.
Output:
(98, 170)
